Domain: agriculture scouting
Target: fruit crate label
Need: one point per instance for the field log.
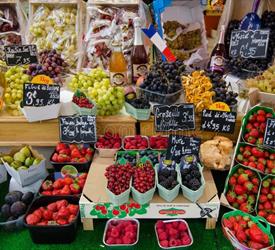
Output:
(174, 117)
(20, 54)
(249, 43)
(40, 95)
(218, 121)
(269, 136)
(179, 146)
(77, 129)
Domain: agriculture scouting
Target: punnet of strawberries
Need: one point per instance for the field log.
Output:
(82, 101)
(257, 158)
(246, 232)
(59, 213)
(72, 153)
(266, 201)
(172, 234)
(255, 127)
(121, 232)
(243, 187)
(64, 186)
(158, 142)
(109, 141)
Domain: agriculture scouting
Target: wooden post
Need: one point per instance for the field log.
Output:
(88, 224)
(210, 223)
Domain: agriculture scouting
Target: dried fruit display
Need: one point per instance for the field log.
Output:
(105, 23)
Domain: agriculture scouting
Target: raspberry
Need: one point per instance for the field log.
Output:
(172, 232)
(160, 224)
(126, 240)
(175, 224)
(110, 241)
(164, 243)
(118, 241)
(173, 243)
(186, 241)
(130, 235)
(160, 230)
(114, 232)
(163, 236)
(182, 227)
(168, 226)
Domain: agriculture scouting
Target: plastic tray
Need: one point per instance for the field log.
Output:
(151, 96)
(139, 114)
(107, 152)
(160, 149)
(123, 142)
(177, 247)
(120, 246)
(82, 167)
(168, 195)
(258, 220)
(52, 234)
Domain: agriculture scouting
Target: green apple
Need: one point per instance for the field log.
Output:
(16, 164)
(22, 168)
(36, 161)
(8, 159)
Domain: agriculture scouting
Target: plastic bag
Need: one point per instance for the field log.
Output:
(55, 26)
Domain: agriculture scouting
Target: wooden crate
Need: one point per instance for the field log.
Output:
(16, 131)
(147, 128)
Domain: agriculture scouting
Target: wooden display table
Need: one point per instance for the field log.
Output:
(95, 204)
(148, 128)
(16, 130)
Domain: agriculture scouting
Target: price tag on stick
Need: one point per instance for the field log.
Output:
(249, 43)
(77, 129)
(174, 117)
(269, 136)
(20, 54)
(40, 95)
(179, 146)
(218, 121)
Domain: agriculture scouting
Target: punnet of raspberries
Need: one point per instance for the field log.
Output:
(119, 178)
(158, 142)
(121, 232)
(108, 141)
(173, 233)
(144, 178)
(135, 142)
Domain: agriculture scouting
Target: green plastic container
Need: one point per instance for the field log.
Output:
(189, 194)
(243, 144)
(166, 194)
(251, 112)
(257, 203)
(233, 171)
(261, 223)
(139, 114)
(143, 198)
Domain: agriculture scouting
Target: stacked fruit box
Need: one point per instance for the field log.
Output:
(251, 181)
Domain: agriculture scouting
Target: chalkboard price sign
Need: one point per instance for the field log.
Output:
(218, 121)
(249, 43)
(179, 146)
(40, 95)
(20, 54)
(269, 137)
(174, 117)
(77, 129)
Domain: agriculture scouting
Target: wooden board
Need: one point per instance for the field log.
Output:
(16, 130)
(147, 128)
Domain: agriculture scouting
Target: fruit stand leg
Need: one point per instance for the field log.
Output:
(88, 224)
(210, 223)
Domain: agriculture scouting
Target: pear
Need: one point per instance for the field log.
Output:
(19, 156)
(36, 161)
(22, 168)
(16, 164)
(26, 151)
(29, 161)
(8, 159)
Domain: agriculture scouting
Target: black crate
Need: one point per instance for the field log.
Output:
(52, 234)
(82, 167)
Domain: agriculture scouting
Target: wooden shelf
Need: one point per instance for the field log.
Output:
(16, 130)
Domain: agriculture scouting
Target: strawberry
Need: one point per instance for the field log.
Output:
(261, 118)
(252, 158)
(47, 185)
(264, 190)
(60, 146)
(255, 181)
(251, 140)
(55, 157)
(32, 219)
(249, 172)
(63, 213)
(254, 190)
(241, 198)
(260, 141)
(58, 184)
(227, 223)
(254, 133)
(68, 180)
(271, 218)
(47, 193)
(251, 199)
(240, 157)
(248, 185)
(242, 178)
(261, 112)
(61, 203)
(265, 183)
(245, 207)
(52, 207)
(65, 190)
(83, 176)
(241, 236)
(232, 180)
(260, 167)
(257, 152)
(267, 205)
(262, 198)
(47, 214)
(75, 188)
(73, 209)
(262, 213)
(252, 165)
(239, 189)
(246, 154)
(62, 221)
(262, 160)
